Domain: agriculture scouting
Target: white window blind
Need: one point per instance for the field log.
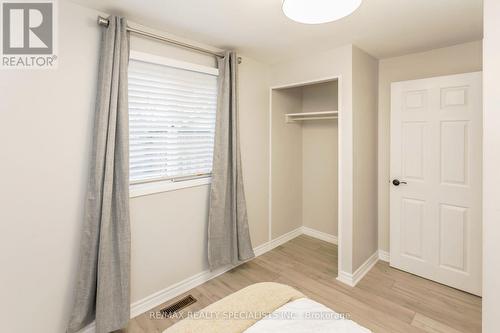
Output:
(172, 120)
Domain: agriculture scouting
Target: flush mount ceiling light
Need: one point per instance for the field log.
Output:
(319, 11)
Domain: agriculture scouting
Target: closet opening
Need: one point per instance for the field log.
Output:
(304, 160)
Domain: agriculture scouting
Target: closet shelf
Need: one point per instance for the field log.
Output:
(322, 115)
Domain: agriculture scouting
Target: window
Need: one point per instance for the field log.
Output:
(172, 109)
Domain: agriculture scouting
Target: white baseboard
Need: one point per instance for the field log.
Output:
(353, 279)
(320, 235)
(345, 278)
(261, 249)
(181, 287)
(174, 290)
(168, 293)
(384, 255)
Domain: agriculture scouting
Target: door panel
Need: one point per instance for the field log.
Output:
(436, 153)
(412, 149)
(453, 238)
(415, 100)
(453, 97)
(412, 222)
(454, 152)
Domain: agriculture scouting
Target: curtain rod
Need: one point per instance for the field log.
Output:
(105, 22)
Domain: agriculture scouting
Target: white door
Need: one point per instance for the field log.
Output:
(436, 161)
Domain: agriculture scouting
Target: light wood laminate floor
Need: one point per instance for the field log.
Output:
(386, 300)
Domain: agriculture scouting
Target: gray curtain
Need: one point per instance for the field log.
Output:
(228, 233)
(103, 280)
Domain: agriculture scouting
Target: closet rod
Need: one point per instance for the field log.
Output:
(105, 22)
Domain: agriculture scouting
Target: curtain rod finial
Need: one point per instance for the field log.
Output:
(102, 21)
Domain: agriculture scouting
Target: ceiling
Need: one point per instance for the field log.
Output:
(258, 28)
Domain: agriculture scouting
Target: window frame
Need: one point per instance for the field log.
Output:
(164, 184)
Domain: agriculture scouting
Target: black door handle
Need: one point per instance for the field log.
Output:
(397, 182)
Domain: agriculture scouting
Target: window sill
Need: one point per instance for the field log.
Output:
(139, 190)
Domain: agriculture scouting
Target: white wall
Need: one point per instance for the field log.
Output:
(445, 61)
(320, 160)
(254, 129)
(491, 167)
(46, 117)
(168, 239)
(320, 175)
(365, 89)
(45, 129)
(286, 169)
